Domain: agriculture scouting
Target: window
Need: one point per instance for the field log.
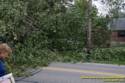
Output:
(121, 33)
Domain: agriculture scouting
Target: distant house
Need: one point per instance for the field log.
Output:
(117, 27)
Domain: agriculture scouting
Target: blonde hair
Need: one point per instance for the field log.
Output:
(5, 48)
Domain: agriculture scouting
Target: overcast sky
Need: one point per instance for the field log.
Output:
(102, 9)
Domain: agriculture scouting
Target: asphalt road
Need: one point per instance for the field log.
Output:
(78, 73)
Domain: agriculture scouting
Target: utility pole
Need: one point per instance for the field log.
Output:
(89, 27)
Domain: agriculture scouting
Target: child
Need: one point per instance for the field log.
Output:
(5, 51)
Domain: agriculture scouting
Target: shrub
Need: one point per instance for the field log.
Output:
(109, 54)
(71, 56)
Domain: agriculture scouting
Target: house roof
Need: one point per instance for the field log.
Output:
(118, 24)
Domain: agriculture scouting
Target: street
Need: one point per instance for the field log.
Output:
(78, 73)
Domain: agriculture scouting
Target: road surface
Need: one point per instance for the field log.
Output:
(78, 73)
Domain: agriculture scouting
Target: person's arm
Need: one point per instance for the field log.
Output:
(2, 69)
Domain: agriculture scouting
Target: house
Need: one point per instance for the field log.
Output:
(117, 27)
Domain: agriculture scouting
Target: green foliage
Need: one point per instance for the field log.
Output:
(11, 14)
(82, 6)
(33, 52)
(42, 31)
(101, 37)
(115, 7)
(115, 55)
(70, 56)
(63, 28)
(66, 32)
(109, 54)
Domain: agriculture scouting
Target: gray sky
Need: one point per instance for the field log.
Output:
(102, 9)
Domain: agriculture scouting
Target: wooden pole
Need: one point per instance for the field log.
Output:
(89, 28)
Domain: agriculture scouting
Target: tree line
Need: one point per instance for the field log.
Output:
(54, 24)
